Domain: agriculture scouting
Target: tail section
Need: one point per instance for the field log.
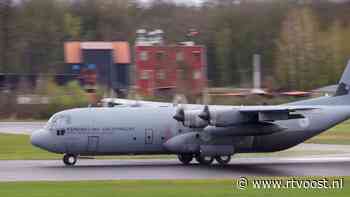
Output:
(341, 97)
(344, 83)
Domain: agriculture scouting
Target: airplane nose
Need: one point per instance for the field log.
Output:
(37, 138)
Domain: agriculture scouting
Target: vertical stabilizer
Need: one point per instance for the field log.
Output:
(344, 83)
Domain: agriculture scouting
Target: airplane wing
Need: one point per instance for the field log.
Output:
(250, 115)
(274, 113)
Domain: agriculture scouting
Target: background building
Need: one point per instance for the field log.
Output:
(103, 63)
(165, 69)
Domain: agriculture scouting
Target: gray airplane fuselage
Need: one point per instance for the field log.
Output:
(147, 130)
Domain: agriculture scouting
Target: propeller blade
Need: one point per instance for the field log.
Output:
(205, 114)
(180, 115)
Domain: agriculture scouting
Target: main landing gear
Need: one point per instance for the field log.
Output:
(69, 159)
(223, 160)
(185, 158)
(204, 160)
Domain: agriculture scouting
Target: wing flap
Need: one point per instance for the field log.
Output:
(281, 115)
(276, 113)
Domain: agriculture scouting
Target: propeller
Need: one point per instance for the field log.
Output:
(180, 115)
(192, 118)
(205, 114)
(179, 101)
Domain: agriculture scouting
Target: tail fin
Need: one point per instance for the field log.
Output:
(344, 83)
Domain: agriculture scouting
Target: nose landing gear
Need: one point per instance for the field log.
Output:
(69, 159)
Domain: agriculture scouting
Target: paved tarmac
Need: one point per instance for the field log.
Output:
(20, 127)
(171, 169)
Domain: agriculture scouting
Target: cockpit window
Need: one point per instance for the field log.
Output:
(57, 122)
(50, 122)
(60, 132)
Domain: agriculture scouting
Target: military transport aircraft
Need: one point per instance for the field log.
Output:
(199, 132)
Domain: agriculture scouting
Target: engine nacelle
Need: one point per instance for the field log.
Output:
(226, 118)
(223, 118)
(190, 118)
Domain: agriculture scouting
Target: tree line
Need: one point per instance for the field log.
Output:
(304, 44)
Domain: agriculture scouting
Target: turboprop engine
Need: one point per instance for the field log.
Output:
(190, 118)
(203, 118)
(222, 118)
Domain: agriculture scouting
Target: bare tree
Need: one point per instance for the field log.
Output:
(5, 22)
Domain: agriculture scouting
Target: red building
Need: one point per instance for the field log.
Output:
(164, 69)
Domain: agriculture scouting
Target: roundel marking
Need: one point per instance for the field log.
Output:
(304, 123)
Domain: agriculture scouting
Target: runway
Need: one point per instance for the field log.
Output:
(172, 169)
(20, 127)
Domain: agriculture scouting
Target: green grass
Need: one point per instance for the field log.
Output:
(14, 147)
(337, 135)
(153, 188)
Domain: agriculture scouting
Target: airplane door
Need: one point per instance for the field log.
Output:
(149, 136)
(93, 142)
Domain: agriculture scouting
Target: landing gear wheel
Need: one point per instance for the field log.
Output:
(204, 160)
(185, 158)
(223, 160)
(69, 159)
